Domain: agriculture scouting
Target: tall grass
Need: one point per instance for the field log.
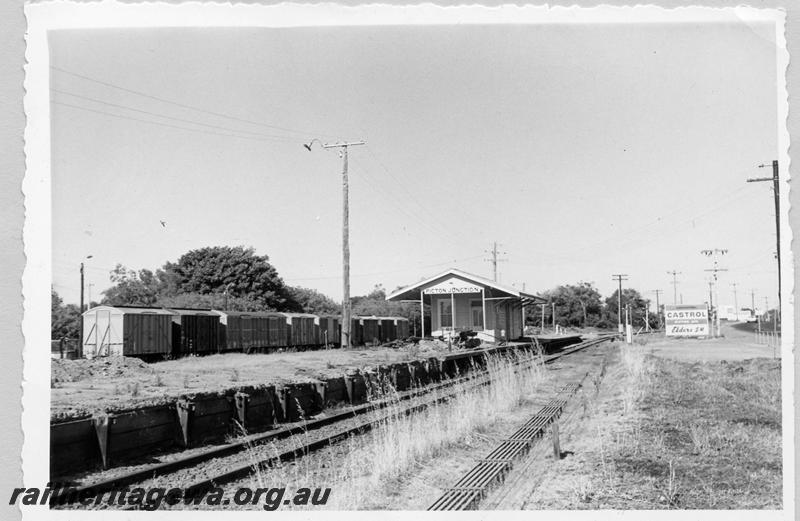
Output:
(361, 469)
(639, 370)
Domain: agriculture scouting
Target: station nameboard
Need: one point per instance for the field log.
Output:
(686, 320)
(451, 285)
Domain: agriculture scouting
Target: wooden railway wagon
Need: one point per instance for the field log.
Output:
(127, 331)
(329, 331)
(403, 330)
(388, 329)
(194, 332)
(303, 331)
(393, 328)
(364, 330)
(252, 331)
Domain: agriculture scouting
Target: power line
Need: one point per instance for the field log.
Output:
(411, 197)
(402, 270)
(186, 106)
(443, 233)
(159, 123)
(125, 107)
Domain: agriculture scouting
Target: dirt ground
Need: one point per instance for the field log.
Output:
(82, 387)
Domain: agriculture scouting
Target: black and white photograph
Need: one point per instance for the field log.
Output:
(310, 258)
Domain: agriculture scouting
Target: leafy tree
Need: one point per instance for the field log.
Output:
(211, 301)
(577, 305)
(132, 288)
(375, 303)
(237, 269)
(637, 303)
(65, 319)
(312, 301)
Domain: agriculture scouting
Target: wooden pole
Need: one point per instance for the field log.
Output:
(556, 441)
(345, 253)
(80, 318)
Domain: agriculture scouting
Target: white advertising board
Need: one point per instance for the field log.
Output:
(451, 285)
(686, 320)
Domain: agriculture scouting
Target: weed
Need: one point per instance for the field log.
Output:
(370, 465)
(186, 381)
(134, 389)
(159, 381)
(234, 375)
(670, 494)
(584, 490)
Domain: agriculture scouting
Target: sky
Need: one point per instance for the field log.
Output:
(583, 150)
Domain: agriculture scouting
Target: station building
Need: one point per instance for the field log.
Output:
(461, 301)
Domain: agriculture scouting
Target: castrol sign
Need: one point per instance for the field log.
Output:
(686, 320)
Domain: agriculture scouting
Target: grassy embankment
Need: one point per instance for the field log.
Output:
(669, 434)
(364, 470)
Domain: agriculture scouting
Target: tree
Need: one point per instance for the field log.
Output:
(637, 303)
(375, 303)
(312, 301)
(64, 320)
(211, 301)
(577, 305)
(237, 269)
(132, 288)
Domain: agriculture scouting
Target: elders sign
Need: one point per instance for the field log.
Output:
(686, 320)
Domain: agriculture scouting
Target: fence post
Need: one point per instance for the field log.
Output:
(556, 443)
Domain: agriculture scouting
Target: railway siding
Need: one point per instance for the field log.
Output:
(107, 440)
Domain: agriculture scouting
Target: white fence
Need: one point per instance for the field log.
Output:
(769, 339)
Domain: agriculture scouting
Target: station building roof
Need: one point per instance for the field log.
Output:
(454, 275)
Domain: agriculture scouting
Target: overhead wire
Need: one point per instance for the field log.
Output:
(141, 111)
(187, 106)
(158, 123)
(441, 233)
(401, 270)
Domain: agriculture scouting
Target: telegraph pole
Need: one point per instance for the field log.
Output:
(735, 301)
(80, 319)
(343, 146)
(715, 269)
(494, 260)
(674, 285)
(80, 315)
(776, 192)
(658, 306)
(753, 301)
(619, 278)
(554, 315)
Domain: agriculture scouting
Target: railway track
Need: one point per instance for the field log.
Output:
(233, 461)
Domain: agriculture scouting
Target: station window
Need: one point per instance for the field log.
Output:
(445, 313)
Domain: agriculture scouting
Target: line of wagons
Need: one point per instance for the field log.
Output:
(155, 333)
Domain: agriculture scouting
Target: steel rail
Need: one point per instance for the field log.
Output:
(159, 469)
(245, 470)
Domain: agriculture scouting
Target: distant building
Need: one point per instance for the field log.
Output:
(461, 301)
